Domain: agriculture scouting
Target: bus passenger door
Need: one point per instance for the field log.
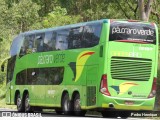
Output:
(8, 92)
(10, 71)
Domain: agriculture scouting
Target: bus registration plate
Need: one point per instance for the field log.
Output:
(129, 102)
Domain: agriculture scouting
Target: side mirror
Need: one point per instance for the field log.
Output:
(2, 68)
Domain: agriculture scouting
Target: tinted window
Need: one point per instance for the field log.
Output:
(24, 47)
(75, 38)
(28, 45)
(71, 38)
(21, 78)
(40, 76)
(55, 76)
(91, 35)
(39, 43)
(16, 45)
(62, 39)
(132, 32)
(10, 68)
(50, 41)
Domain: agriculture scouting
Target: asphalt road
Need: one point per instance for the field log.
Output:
(47, 113)
(14, 113)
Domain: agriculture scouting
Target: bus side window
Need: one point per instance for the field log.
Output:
(31, 44)
(39, 43)
(62, 39)
(75, 37)
(53, 40)
(49, 41)
(55, 75)
(16, 45)
(10, 68)
(21, 78)
(91, 35)
(28, 45)
(24, 46)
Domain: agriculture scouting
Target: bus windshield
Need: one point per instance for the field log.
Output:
(132, 32)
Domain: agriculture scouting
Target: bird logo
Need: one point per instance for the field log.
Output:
(123, 87)
(78, 66)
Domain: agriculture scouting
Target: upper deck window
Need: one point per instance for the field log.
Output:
(85, 36)
(50, 41)
(92, 35)
(62, 39)
(132, 32)
(39, 42)
(77, 37)
(16, 45)
(28, 45)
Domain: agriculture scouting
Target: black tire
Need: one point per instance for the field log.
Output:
(66, 104)
(59, 111)
(77, 106)
(37, 109)
(19, 103)
(27, 106)
(124, 114)
(109, 114)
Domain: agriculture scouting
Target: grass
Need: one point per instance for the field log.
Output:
(3, 104)
(2, 97)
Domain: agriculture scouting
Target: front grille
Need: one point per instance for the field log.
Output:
(126, 68)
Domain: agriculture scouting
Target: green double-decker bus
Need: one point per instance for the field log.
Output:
(101, 65)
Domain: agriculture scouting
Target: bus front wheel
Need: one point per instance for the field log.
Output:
(20, 106)
(28, 108)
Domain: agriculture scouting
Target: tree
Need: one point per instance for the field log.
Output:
(25, 14)
(47, 6)
(145, 9)
(58, 17)
(138, 9)
(89, 9)
(21, 15)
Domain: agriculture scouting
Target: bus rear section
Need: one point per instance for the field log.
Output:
(132, 53)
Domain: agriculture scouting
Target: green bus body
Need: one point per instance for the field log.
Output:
(109, 63)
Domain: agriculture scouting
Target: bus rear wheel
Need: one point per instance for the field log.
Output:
(66, 104)
(28, 108)
(77, 106)
(20, 105)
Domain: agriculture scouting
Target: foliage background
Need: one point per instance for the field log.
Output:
(17, 16)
